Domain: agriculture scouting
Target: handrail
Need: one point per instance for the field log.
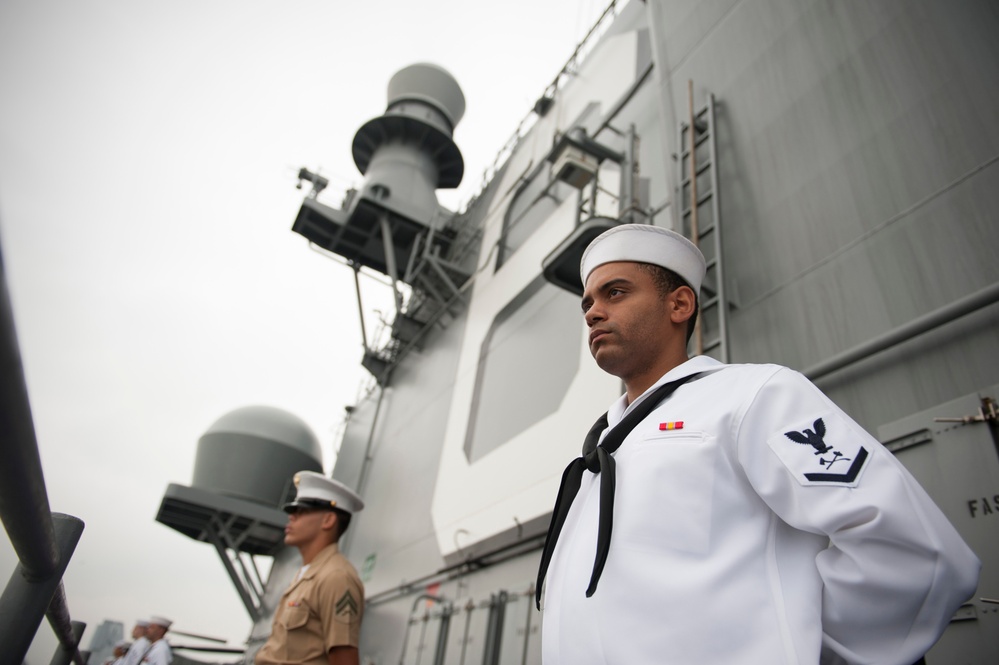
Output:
(961, 307)
(24, 505)
(43, 545)
(582, 50)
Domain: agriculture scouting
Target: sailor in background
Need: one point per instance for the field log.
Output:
(119, 652)
(159, 652)
(753, 521)
(137, 651)
(319, 619)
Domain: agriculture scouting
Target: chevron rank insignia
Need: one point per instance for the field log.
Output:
(346, 606)
(821, 451)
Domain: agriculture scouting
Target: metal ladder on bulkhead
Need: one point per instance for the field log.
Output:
(698, 180)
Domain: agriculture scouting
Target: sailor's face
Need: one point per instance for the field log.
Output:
(304, 525)
(627, 318)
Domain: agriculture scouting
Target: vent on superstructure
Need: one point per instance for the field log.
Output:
(393, 224)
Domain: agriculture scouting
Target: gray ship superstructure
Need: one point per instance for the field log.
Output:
(838, 165)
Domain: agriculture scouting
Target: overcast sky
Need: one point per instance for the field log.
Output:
(148, 153)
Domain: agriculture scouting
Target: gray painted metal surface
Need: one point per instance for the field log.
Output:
(501, 408)
(952, 449)
(252, 452)
(404, 458)
(857, 160)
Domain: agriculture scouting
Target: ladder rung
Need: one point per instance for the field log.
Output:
(684, 158)
(698, 124)
(700, 200)
(701, 168)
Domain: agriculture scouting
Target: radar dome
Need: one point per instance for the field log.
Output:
(253, 452)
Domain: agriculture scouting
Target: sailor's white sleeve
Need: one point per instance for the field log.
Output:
(895, 569)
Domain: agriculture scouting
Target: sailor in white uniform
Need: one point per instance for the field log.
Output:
(159, 653)
(736, 515)
(140, 646)
(120, 651)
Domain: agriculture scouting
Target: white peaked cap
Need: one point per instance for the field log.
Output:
(141, 622)
(642, 243)
(160, 621)
(317, 491)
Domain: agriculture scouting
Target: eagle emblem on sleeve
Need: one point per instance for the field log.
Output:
(827, 451)
(813, 437)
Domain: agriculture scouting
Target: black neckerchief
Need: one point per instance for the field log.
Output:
(597, 459)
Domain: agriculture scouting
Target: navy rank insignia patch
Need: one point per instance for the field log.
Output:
(822, 451)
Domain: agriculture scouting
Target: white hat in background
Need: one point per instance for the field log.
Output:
(160, 621)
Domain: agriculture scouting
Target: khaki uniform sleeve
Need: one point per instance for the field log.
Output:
(341, 597)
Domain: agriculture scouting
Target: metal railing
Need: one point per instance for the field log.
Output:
(540, 108)
(43, 541)
(969, 304)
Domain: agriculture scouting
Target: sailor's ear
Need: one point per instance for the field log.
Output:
(682, 303)
(329, 520)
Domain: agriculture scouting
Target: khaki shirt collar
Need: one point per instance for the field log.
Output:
(324, 556)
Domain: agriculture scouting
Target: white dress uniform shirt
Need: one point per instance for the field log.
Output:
(754, 522)
(160, 653)
(136, 652)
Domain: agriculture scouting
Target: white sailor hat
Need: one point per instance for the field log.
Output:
(160, 621)
(317, 491)
(122, 644)
(141, 622)
(643, 243)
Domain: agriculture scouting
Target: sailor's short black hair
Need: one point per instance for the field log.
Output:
(666, 282)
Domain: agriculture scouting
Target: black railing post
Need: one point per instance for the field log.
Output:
(65, 655)
(24, 503)
(27, 597)
(43, 541)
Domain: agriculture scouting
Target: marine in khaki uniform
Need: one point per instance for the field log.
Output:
(319, 619)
